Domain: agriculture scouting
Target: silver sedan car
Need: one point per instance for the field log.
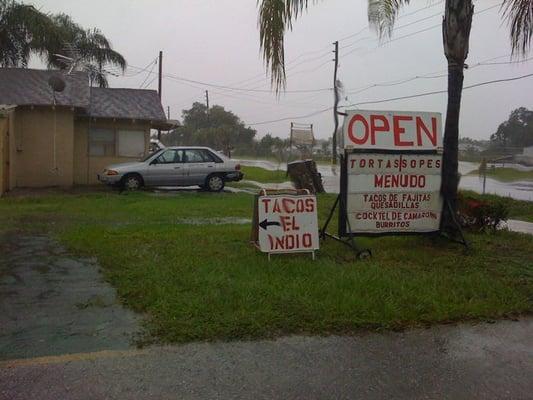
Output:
(175, 166)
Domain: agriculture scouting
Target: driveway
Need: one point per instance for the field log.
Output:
(483, 361)
(52, 303)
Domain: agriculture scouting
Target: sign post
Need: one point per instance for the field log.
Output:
(285, 223)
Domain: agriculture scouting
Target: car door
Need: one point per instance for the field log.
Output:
(166, 170)
(198, 166)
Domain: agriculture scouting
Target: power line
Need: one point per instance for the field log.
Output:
(238, 89)
(149, 83)
(439, 25)
(148, 74)
(432, 76)
(400, 17)
(395, 99)
(262, 75)
(142, 70)
(438, 91)
(289, 118)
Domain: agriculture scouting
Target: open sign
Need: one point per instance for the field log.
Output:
(392, 130)
(391, 173)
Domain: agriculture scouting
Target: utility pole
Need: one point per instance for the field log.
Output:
(207, 104)
(160, 86)
(160, 73)
(335, 104)
(168, 112)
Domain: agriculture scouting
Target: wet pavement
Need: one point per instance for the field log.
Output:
(519, 226)
(483, 361)
(52, 303)
(331, 179)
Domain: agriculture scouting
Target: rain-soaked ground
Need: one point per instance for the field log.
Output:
(465, 361)
(331, 179)
(52, 303)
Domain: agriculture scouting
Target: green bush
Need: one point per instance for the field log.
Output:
(482, 215)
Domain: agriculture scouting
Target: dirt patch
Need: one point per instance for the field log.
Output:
(52, 303)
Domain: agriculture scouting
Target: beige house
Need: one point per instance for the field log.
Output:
(66, 137)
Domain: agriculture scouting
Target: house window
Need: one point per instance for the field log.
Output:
(131, 143)
(101, 142)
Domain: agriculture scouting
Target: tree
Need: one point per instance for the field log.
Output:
(216, 127)
(515, 133)
(23, 31)
(276, 16)
(89, 50)
(57, 39)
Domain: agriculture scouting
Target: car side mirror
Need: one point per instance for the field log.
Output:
(154, 161)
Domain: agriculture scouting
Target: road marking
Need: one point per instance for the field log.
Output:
(24, 362)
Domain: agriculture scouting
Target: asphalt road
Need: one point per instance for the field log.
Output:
(483, 361)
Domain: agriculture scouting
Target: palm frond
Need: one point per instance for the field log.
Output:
(20, 27)
(519, 16)
(382, 14)
(275, 17)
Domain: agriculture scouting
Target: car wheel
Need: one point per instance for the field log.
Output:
(132, 182)
(214, 183)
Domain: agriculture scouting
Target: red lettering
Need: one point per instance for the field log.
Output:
(266, 202)
(288, 205)
(374, 128)
(351, 133)
(288, 223)
(420, 126)
(399, 131)
(307, 240)
(309, 205)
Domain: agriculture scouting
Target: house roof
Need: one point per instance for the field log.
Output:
(137, 104)
(23, 86)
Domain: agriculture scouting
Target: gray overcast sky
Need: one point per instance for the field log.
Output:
(217, 41)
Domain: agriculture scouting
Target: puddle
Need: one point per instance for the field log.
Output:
(52, 303)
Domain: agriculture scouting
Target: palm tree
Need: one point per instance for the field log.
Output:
(88, 50)
(57, 39)
(276, 16)
(23, 30)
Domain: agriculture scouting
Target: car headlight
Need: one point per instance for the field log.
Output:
(111, 172)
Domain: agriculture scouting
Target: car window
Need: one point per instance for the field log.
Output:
(169, 157)
(210, 157)
(193, 156)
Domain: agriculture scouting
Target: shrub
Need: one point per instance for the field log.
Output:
(482, 214)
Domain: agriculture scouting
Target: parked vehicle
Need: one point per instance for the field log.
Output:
(175, 166)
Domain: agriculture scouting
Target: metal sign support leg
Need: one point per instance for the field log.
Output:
(361, 253)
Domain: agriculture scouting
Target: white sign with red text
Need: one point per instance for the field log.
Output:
(393, 192)
(392, 130)
(288, 223)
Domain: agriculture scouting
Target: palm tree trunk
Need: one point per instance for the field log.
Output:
(456, 36)
(450, 162)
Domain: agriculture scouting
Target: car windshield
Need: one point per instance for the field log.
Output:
(151, 155)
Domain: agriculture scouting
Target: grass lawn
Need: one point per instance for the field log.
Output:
(507, 174)
(263, 175)
(196, 277)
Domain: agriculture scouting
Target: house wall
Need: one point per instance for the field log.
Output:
(87, 167)
(42, 147)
